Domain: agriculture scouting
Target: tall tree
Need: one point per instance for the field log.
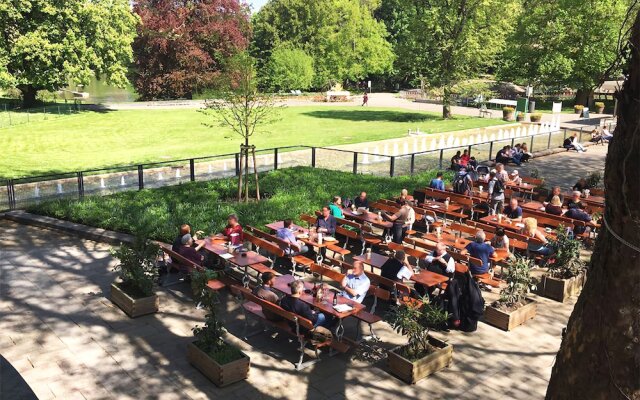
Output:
(239, 106)
(46, 43)
(181, 45)
(599, 357)
(449, 41)
(566, 43)
(346, 42)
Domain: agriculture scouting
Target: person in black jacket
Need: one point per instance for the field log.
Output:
(293, 304)
(361, 201)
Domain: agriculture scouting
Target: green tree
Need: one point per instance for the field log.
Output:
(46, 43)
(448, 41)
(289, 68)
(567, 43)
(344, 39)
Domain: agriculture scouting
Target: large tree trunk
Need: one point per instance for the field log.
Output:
(600, 354)
(446, 102)
(584, 97)
(29, 93)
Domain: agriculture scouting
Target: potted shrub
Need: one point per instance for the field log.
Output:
(578, 109)
(536, 117)
(513, 308)
(423, 354)
(566, 272)
(594, 179)
(520, 117)
(218, 360)
(507, 113)
(134, 292)
(599, 107)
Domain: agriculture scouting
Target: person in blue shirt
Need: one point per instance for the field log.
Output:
(356, 284)
(326, 223)
(286, 234)
(437, 182)
(481, 249)
(513, 211)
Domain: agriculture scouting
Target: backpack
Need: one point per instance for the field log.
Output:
(461, 184)
(498, 187)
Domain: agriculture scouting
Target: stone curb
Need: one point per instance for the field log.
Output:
(83, 231)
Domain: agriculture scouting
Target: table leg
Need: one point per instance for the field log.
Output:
(245, 278)
(339, 330)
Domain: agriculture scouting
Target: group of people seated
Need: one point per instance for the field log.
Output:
(464, 160)
(601, 134)
(517, 155)
(572, 143)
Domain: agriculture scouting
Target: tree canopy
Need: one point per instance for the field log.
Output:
(344, 39)
(566, 43)
(182, 45)
(288, 69)
(45, 44)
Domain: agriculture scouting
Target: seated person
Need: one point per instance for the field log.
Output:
(574, 201)
(287, 235)
(571, 143)
(596, 136)
(500, 240)
(606, 135)
(177, 242)
(503, 156)
(189, 252)
(526, 154)
(581, 185)
(439, 261)
(356, 284)
(397, 268)
(437, 182)
(455, 161)
(580, 215)
(233, 230)
(404, 195)
(336, 207)
(513, 211)
(554, 207)
(516, 154)
(292, 303)
(556, 191)
(361, 201)
(464, 158)
(473, 163)
(266, 292)
(515, 177)
(531, 230)
(480, 249)
(326, 223)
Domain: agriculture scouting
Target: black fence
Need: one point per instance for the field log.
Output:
(22, 192)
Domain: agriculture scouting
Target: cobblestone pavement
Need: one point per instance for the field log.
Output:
(68, 341)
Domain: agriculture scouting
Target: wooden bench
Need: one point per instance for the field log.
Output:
(189, 266)
(297, 259)
(254, 306)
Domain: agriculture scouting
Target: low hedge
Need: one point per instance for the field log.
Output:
(205, 205)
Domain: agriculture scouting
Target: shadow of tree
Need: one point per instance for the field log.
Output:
(374, 115)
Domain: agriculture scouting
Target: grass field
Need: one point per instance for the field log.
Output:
(157, 213)
(102, 139)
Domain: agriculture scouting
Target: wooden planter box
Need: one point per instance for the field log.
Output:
(134, 307)
(413, 371)
(509, 320)
(221, 375)
(561, 289)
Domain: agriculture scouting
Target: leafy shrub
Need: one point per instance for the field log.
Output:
(594, 179)
(289, 69)
(415, 322)
(535, 117)
(599, 104)
(578, 108)
(137, 268)
(566, 262)
(518, 278)
(508, 109)
(206, 205)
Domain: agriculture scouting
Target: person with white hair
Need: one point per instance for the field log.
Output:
(480, 249)
(293, 304)
(574, 201)
(189, 252)
(515, 177)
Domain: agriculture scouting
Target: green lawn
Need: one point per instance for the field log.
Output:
(102, 139)
(205, 205)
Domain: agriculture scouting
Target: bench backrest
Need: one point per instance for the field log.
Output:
(378, 280)
(180, 259)
(309, 219)
(327, 272)
(353, 224)
(276, 309)
(532, 181)
(265, 245)
(347, 232)
(551, 220)
(273, 239)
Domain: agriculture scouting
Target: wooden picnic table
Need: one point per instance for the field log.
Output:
(461, 244)
(513, 226)
(237, 259)
(301, 233)
(368, 217)
(437, 206)
(374, 260)
(429, 278)
(281, 283)
(595, 200)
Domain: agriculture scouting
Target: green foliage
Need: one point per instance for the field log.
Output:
(137, 268)
(598, 104)
(565, 43)
(48, 43)
(289, 69)
(594, 178)
(206, 205)
(518, 278)
(566, 262)
(578, 107)
(344, 39)
(199, 280)
(415, 321)
(473, 89)
(508, 109)
(536, 117)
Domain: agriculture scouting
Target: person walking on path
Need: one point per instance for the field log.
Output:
(365, 99)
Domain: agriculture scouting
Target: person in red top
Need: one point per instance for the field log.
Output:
(233, 227)
(464, 159)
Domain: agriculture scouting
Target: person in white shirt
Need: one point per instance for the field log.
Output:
(397, 267)
(439, 261)
(356, 284)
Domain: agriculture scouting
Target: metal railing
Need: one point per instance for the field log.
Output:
(22, 192)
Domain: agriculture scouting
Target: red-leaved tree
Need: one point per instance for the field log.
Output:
(182, 44)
